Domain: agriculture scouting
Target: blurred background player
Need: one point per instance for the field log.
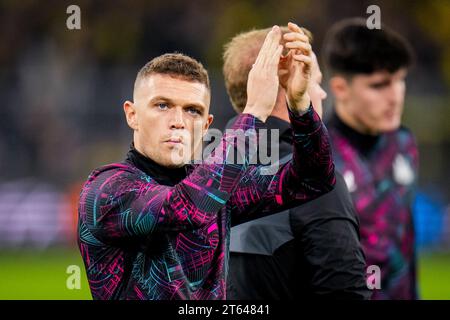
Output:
(377, 156)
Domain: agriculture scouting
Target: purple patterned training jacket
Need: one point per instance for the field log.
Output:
(141, 239)
(381, 175)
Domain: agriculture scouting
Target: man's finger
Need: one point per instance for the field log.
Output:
(302, 58)
(276, 56)
(275, 43)
(266, 47)
(307, 61)
(295, 28)
(299, 45)
(295, 36)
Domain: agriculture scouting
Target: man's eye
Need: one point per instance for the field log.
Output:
(162, 106)
(379, 85)
(194, 111)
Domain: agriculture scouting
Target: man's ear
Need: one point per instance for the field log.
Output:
(340, 88)
(130, 113)
(208, 123)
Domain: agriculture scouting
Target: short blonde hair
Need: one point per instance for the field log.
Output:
(176, 65)
(239, 55)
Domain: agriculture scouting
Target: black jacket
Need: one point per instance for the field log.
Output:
(311, 251)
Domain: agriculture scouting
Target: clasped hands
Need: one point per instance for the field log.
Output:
(271, 69)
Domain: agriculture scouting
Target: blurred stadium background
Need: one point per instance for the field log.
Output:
(62, 92)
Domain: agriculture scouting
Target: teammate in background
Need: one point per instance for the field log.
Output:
(377, 156)
(309, 251)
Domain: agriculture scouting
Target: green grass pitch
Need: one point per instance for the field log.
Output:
(29, 274)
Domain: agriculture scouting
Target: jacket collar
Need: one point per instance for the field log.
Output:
(163, 175)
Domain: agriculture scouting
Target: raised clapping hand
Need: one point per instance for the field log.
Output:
(292, 72)
(295, 68)
(262, 85)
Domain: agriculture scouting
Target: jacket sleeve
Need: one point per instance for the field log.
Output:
(309, 174)
(122, 202)
(335, 260)
(327, 231)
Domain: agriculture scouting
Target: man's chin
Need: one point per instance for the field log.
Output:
(390, 126)
(174, 162)
(395, 123)
(175, 165)
(173, 156)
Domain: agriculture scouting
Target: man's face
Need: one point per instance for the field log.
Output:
(315, 90)
(169, 117)
(375, 101)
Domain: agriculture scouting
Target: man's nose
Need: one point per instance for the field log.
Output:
(177, 118)
(396, 92)
(323, 94)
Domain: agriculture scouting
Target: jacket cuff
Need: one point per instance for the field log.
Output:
(247, 121)
(306, 123)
